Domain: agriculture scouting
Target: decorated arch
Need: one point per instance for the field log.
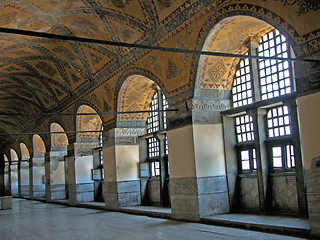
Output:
(59, 139)
(25, 155)
(88, 123)
(215, 74)
(38, 146)
(135, 95)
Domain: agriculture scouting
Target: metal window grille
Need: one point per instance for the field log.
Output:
(153, 147)
(283, 156)
(153, 117)
(244, 128)
(155, 169)
(242, 87)
(165, 106)
(274, 75)
(278, 121)
(248, 159)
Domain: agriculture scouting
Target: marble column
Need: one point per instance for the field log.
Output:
(121, 167)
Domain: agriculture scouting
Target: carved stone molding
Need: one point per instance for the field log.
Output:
(132, 132)
(210, 105)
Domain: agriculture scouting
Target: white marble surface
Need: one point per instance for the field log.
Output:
(36, 220)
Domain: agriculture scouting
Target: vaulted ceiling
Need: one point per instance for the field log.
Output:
(40, 75)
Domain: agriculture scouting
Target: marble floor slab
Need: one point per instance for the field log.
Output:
(37, 220)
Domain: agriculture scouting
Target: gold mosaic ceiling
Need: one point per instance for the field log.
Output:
(41, 75)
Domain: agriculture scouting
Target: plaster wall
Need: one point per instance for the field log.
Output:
(24, 173)
(83, 166)
(127, 162)
(209, 150)
(309, 119)
(181, 152)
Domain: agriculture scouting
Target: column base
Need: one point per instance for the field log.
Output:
(193, 198)
(122, 194)
(79, 193)
(313, 196)
(39, 191)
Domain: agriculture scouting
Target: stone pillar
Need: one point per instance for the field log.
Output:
(121, 167)
(55, 175)
(37, 177)
(309, 119)
(24, 178)
(80, 164)
(198, 181)
(2, 186)
(14, 179)
(7, 179)
(261, 155)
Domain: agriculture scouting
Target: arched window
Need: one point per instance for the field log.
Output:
(264, 81)
(156, 122)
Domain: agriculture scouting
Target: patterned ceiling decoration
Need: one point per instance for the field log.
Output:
(25, 155)
(215, 74)
(88, 123)
(135, 95)
(14, 155)
(46, 75)
(38, 146)
(59, 141)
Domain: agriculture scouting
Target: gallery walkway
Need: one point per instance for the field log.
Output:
(36, 220)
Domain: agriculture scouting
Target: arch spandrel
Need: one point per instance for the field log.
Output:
(135, 95)
(88, 123)
(215, 74)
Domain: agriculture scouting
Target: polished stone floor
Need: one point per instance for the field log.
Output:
(36, 220)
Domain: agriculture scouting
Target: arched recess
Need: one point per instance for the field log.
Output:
(7, 180)
(59, 140)
(135, 95)
(139, 93)
(38, 170)
(24, 170)
(215, 75)
(88, 123)
(14, 172)
(56, 171)
(87, 139)
(214, 83)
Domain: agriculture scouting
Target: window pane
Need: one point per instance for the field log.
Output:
(273, 70)
(242, 85)
(244, 128)
(278, 122)
(277, 157)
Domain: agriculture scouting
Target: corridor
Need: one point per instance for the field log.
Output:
(36, 220)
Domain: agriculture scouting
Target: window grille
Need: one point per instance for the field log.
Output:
(242, 89)
(275, 78)
(278, 121)
(244, 128)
